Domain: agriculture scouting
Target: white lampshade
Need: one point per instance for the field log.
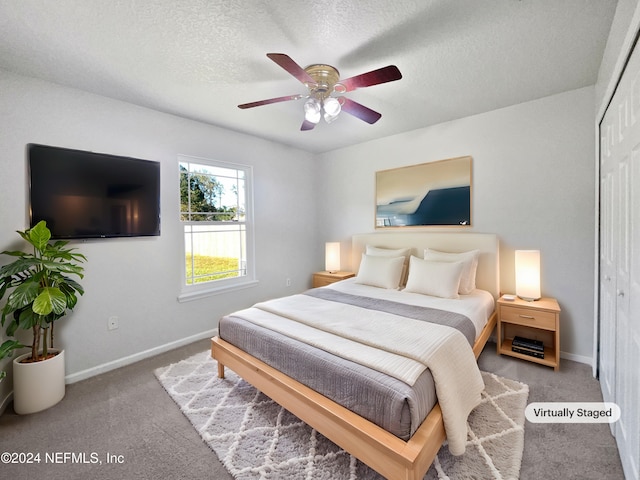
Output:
(332, 257)
(331, 107)
(312, 109)
(528, 274)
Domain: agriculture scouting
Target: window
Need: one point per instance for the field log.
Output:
(215, 211)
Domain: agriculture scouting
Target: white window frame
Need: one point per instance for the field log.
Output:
(205, 289)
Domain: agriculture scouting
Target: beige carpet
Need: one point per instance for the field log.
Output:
(257, 439)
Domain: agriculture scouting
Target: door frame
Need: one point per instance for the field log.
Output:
(632, 38)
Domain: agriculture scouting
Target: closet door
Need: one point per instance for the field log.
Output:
(608, 227)
(620, 262)
(629, 289)
(633, 362)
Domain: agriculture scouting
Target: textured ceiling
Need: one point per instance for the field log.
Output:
(199, 59)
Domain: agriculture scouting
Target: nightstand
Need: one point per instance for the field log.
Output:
(538, 320)
(320, 279)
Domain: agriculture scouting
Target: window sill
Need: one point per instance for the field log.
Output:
(188, 296)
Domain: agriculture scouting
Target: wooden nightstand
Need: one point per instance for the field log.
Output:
(538, 320)
(320, 279)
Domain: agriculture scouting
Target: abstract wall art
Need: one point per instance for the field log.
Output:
(429, 194)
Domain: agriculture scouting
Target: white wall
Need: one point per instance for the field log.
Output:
(138, 280)
(618, 43)
(533, 185)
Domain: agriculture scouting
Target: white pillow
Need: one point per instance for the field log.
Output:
(383, 272)
(392, 252)
(468, 259)
(387, 252)
(438, 279)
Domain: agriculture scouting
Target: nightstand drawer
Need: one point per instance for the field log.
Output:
(529, 317)
(319, 281)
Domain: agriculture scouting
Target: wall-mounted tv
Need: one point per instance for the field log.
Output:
(93, 195)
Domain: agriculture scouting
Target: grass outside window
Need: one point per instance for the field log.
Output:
(199, 267)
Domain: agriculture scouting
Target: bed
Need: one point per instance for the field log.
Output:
(401, 450)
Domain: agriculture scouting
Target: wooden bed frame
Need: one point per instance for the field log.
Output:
(387, 454)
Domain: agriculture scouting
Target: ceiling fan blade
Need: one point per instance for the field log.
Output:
(307, 125)
(360, 111)
(270, 100)
(374, 77)
(292, 67)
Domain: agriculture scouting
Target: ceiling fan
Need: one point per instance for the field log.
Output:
(323, 81)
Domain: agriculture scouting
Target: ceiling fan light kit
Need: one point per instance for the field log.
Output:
(332, 108)
(323, 80)
(312, 109)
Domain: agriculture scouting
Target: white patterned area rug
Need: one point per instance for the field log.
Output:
(255, 438)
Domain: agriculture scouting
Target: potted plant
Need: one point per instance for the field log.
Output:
(41, 292)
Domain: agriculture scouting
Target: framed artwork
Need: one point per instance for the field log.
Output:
(429, 194)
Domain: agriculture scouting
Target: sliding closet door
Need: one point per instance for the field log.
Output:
(620, 262)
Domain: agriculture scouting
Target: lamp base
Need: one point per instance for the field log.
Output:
(528, 299)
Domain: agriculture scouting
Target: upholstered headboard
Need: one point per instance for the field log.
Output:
(488, 274)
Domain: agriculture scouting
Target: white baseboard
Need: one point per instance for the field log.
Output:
(577, 358)
(136, 357)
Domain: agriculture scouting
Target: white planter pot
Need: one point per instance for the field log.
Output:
(39, 385)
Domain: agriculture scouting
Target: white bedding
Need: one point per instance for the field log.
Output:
(342, 329)
(477, 306)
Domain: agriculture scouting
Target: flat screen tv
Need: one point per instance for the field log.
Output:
(93, 195)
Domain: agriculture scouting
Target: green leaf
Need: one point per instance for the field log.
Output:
(51, 299)
(70, 293)
(23, 295)
(7, 348)
(26, 320)
(12, 328)
(15, 253)
(24, 264)
(24, 235)
(68, 285)
(56, 251)
(62, 267)
(40, 235)
(58, 244)
(72, 300)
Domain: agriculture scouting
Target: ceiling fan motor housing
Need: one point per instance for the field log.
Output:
(326, 78)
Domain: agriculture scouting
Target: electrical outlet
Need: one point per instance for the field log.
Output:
(288, 282)
(113, 323)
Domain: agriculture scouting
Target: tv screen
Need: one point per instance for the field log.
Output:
(93, 195)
